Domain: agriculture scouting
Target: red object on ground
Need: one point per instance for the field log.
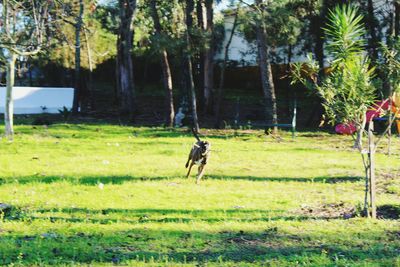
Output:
(343, 128)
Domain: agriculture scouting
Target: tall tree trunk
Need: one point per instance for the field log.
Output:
(222, 73)
(392, 34)
(9, 110)
(2, 75)
(167, 78)
(77, 83)
(396, 18)
(266, 73)
(319, 36)
(290, 94)
(188, 63)
(124, 71)
(391, 18)
(209, 57)
(199, 58)
(389, 85)
(372, 27)
(373, 42)
(318, 25)
(89, 94)
(166, 70)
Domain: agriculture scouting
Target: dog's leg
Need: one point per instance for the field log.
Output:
(190, 167)
(200, 173)
(190, 156)
(187, 163)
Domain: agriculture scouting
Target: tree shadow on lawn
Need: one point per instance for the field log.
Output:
(321, 179)
(77, 131)
(145, 219)
(176, 246)
(120, 179)
(86, 180)
(389, 212)
(143, 216)
(150, 215)
(150, 211)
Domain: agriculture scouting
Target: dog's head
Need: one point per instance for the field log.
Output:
(205, 147)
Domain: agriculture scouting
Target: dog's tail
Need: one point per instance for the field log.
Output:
(195, 135)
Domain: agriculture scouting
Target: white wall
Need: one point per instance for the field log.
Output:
(30, 100)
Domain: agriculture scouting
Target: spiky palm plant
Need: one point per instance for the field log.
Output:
(344, 33)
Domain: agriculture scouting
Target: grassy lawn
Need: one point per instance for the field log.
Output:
(104, 195)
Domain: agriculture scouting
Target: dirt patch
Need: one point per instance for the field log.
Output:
(328, 211)
(388, 212)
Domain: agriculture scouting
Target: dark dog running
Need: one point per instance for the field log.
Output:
(198, 155)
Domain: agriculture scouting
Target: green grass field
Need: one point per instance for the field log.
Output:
(104, 195)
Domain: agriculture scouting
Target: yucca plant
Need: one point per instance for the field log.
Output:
(345, 33)
(347, 91)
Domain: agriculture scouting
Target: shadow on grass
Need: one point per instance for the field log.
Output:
(177, 246)
(141, 212)
(141, 216)
(323, 179)
(388, 212)
(87, 180)
(147, 219)
(94, 180)
(85, 130)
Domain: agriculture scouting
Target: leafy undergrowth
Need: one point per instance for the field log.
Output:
(106, 195)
